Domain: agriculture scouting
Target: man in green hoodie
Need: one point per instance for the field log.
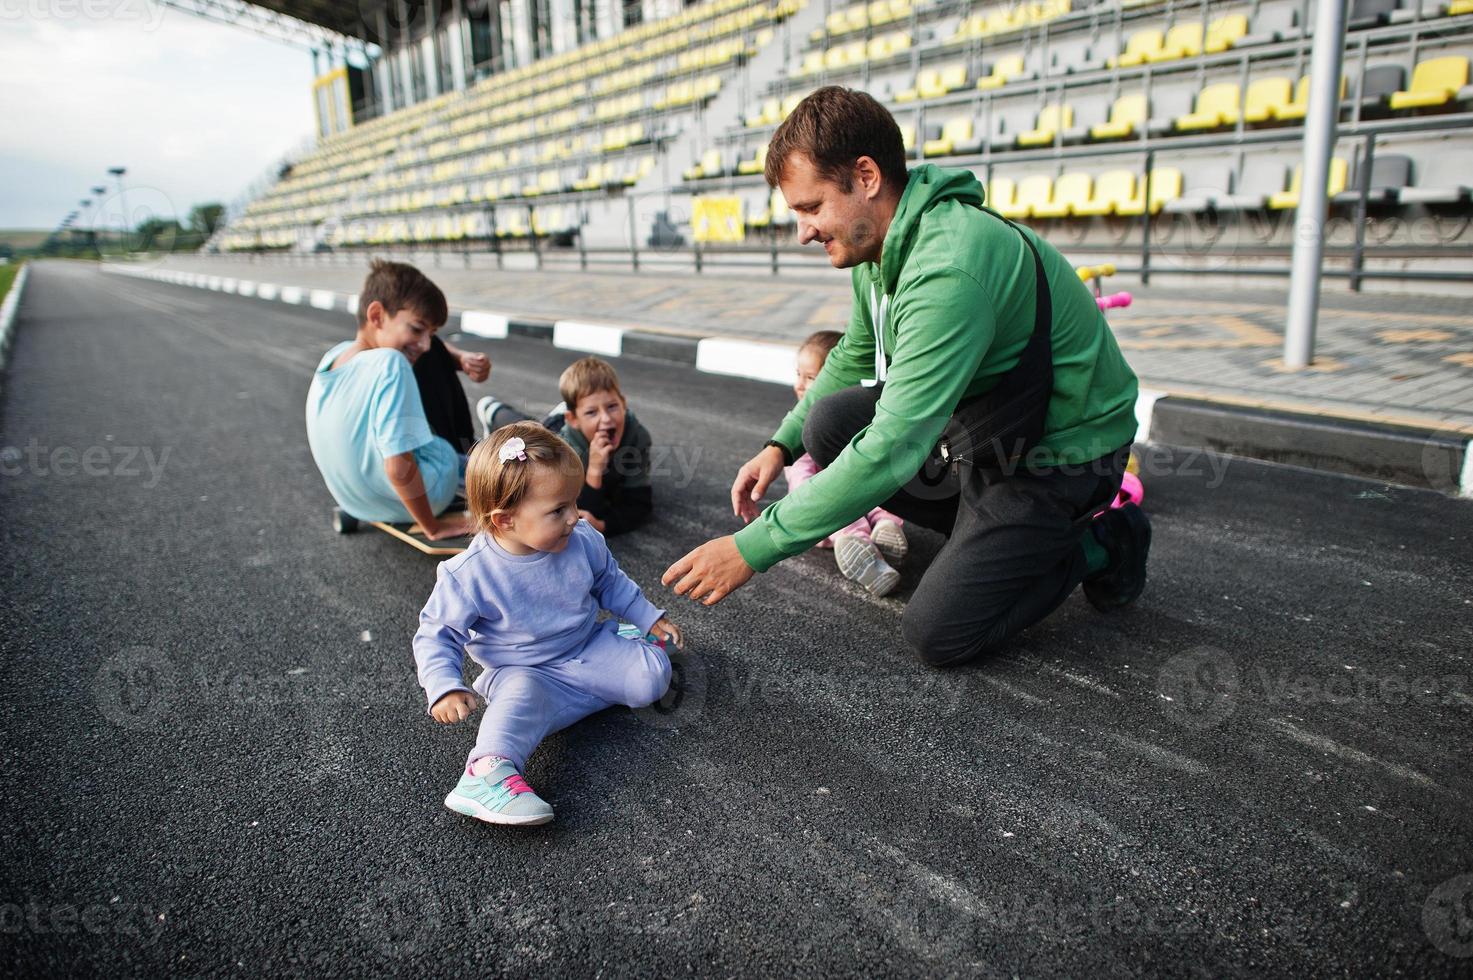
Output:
(945, 331)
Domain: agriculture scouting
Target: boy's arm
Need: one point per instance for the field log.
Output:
(404, 477)
(628, 500)
(439, 643)
(616, 591)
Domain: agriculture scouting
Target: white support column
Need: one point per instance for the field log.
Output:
(521, 31)
(1309, 217)
(564, 29)
(458, 31)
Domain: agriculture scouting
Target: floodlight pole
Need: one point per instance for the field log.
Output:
(1314, 169)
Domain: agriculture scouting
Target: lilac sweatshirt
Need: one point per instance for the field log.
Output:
(506, 609)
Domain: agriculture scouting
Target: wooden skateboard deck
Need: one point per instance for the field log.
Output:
(410, 534)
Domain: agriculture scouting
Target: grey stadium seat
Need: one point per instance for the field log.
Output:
(1204, 185)
(1167, 106)
(1370, 13)
(1262, 176)
(1390, 172)
(1379, 83)
(1275, 24)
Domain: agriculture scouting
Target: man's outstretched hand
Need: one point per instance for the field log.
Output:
(710, 573)
(752, 481)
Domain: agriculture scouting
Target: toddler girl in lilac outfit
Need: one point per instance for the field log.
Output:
(867, 550)
(523, 602)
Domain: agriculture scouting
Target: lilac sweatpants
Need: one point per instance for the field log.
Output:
(526, 704)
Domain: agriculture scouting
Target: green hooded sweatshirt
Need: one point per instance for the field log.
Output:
(954, 288)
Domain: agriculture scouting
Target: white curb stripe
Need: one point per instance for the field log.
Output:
(1465, 484)
(1145, 406)
(323, 299)
(353, 303)
(227, 285)
(267, 290)
(483, 324)
(291, 294)
(747, 359)
(245, 288)
(213, 283)
(8, 312)
(596, 338)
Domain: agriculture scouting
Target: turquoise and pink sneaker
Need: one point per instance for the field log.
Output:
(501, 795)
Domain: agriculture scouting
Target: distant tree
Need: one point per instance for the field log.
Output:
(157, 233)
(205, 218)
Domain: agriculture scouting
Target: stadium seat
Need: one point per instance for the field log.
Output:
(1002, 194)
(1390, 172)
(812, 64)
(955, 137)
(708, 166)
(1370, 13)
(1181, 41)
(1138, 49)
(1266, 97)
(1113, 189)
(1003, 70)
(1032, 192)
(1435, 83)
(1165, 187)
(1270, 25)
(790, 103)
(1071, 192)
(1209, 181)
(1284, 200)
(778, 211)
(1299, 107)
(1378, 84)
(1459, 7)
(1261, 177)
(1051, 121)
(1225, 33)
(767, 114)
(755, 163)
(1127, 118)
(1216, 106)
(927, 85)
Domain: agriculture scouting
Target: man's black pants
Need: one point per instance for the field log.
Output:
(1013, 552)
(443, 398)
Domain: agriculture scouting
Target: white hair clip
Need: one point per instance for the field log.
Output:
(513, 448)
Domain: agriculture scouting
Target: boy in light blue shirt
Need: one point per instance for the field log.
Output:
(366, 423)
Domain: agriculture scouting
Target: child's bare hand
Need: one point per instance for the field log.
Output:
(599, 450)
(476, 366)
(453, 707)
(664, 628)
(598, 525)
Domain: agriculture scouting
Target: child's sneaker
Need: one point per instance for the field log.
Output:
(555, 417)
(860, 561)
(501, 795)
(486, 411)
(889, 537)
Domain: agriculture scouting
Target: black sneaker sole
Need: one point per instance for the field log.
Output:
(1123, 585)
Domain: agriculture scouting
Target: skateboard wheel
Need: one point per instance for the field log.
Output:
(343, 522)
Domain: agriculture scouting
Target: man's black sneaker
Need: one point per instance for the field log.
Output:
(1125, 533)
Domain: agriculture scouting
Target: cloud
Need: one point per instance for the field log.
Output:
(196, 111)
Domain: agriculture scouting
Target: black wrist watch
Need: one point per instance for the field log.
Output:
(787, 453)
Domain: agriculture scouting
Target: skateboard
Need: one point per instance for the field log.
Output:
(410, 534)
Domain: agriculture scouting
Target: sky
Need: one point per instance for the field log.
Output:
(196, 111)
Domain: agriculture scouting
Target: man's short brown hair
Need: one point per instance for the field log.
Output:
(397, 286)
(836, 126)
(587, 376)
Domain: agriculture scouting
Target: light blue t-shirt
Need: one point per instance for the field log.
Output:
(361, 414)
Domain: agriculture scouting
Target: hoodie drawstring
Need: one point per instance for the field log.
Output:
(879, 309)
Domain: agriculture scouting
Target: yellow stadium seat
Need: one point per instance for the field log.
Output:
(766, 114)
(1114, 189)
(1006, 68)
(967, 28)
(1458, 7)
(1435, 82)
(1165, 187)
(1225, 32)
(927, 84)
(789, 104)
(1138, 49)
(1216, 106)
(1284, 200)
(1002, 194)
(956, 130)
(1299, 108)
(908, 136)
(1182, 41)
(1033, 192)
(1071, 191)
(1051, 120)
(709, 166)
(954, 77)
(1266, 97)
(756, 163)
(778, 210)
(812, 63)
(1126, 116)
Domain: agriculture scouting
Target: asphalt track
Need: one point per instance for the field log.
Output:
(216, 758)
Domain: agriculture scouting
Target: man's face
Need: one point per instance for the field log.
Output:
(406, 331)
(851, 224)
(600, 411)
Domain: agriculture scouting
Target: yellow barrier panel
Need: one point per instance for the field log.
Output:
(717, 219)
